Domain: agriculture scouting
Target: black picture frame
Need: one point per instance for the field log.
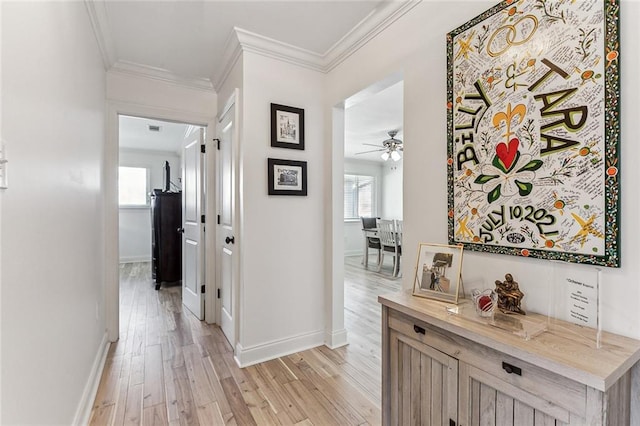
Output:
(287, 127)
(287, 177)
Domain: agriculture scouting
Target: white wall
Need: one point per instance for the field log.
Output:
(140, 90)
(1, 197)
(422, 57)
(392, 189)
(135, 223)
(53, 102)
(283, 236)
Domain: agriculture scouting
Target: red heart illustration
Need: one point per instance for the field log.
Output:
(507, 155)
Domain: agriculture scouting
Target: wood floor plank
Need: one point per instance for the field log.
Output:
(236, 402)
(314, 410)
(218, 391)
(329, 398)
(155, 415)
(184, 397)
(133, 406)
(200, 387)
(109, 383)
(169, 368)
(136, 375)
(153, 376)
(102, 415)
(284, 406)
(209, 414)
(171, 396)
(123, 392)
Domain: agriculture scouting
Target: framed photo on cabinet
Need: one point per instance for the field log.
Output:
(438, 272)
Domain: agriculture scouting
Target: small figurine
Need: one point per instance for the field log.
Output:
(509, 296)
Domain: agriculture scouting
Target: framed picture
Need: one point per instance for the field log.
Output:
(287, 177)
(438, 272)
(533, 131)
(287, 127)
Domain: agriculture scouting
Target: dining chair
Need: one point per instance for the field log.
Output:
(389, 240)
(371, 242)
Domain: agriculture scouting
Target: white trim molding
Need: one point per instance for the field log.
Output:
(277, 348)
(336, 339)
(373, 24)
(99, 22)
(83, 412)
(252, 42)
(377, 21)
(135, 259)
(154, 73)
(230, 55)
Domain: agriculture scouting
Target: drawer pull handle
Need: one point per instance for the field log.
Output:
(511, 369)
(419, 329)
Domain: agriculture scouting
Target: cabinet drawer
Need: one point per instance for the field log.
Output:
(538, 381)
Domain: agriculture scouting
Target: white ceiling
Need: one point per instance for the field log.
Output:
(370, 120)
(187, 39)
(135, 134)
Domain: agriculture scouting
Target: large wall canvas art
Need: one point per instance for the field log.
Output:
(533, 131)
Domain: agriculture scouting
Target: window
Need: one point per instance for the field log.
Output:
(133, 186)
(359, 196)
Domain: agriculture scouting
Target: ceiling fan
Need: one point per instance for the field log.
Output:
(391, 148)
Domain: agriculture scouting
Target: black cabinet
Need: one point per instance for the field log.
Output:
(166, 236)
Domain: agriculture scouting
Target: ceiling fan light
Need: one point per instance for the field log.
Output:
(385, 156)
(395, 156)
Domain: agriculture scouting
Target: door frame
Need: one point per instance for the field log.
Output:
(336, 334)
(111, 209)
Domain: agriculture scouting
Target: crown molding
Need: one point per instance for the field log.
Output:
(145, 71)
(100, 24)
(230, 55)
(252, 42)
(372, 25)
(241, 40)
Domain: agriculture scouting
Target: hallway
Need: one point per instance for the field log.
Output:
(169, 368)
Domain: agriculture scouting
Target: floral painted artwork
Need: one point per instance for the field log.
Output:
(533, 131)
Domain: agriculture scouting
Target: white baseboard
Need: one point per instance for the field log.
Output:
(277, 348)
(335, 339)
(83, 412)
(135, 259)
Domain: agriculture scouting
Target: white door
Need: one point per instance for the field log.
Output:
(226, 237)
(193, 229)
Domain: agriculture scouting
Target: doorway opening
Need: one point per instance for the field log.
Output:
(372, 188)
(160, 192)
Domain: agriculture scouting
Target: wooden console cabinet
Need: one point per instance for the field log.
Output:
(444, 369)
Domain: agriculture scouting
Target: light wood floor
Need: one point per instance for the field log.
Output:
(169, 368)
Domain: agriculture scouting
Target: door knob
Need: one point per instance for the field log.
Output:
(231, 240)
(181, 230)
